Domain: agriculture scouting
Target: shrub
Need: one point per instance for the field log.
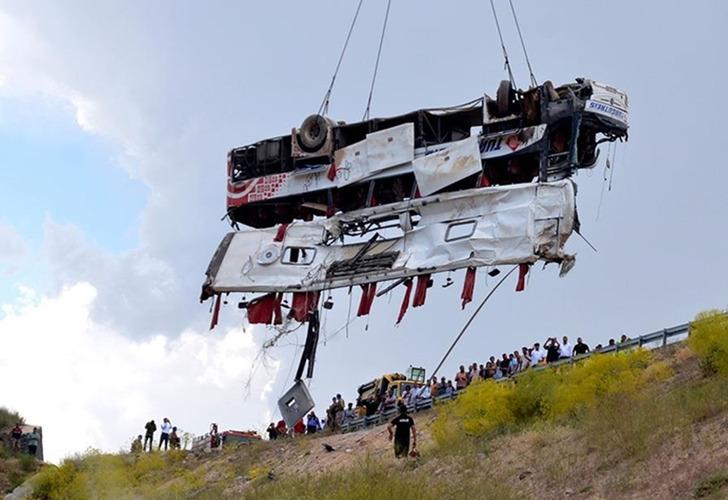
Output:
(711, 485)
(546, 395)
(709, 340)
(9, 418)
(599, 377)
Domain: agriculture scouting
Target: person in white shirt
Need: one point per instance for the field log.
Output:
(424, 393)
(537, 354)
(566, 349)
(166, 430)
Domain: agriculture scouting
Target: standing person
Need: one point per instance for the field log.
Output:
(513, 363)
(299, 428)
(282, 428)
(449, 389)
(537, 354)
(402, 425)
(33, 441)
(164, 436)
(136, 445)
(580, 347)
(174, 441)
(150, 428)
(433, 387)
(553, 350)
(350, 412)
(461, 379)
(525, 358)
(490, 368)
(339, 416)
(504, 364)
(566, 350)
(16, 434)
(313, 424)
(272, 432)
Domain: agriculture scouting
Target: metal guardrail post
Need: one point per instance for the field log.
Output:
(664, 337)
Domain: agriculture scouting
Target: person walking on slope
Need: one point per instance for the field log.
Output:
(402, 425)
(16, 435)
(33, 441)
(164, 437)
(150, 428)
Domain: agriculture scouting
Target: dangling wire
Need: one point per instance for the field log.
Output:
(503, 46)
(611, 172)
(523, 44)
(376, 64)
(324, 108)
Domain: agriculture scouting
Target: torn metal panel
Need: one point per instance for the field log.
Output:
(379, 151)
(439, 170)
(488, 226)
(295, 403)
(391, 147)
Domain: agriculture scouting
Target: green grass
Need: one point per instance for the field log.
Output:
(8, 418)
(711, 485)
(373, 479)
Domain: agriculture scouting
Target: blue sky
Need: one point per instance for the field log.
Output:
(52, 168)
(115, 119)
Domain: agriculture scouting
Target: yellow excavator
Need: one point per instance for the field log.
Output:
(394, 385)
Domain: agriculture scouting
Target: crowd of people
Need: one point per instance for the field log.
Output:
(167, 438)
(31, 440)
(509, 364)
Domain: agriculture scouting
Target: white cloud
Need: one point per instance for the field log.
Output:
(88, 385)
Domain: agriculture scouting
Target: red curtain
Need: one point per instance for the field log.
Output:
(468, 287)
(303, 303)
(421, 290)
(368, 292)
(266, 309)
(522, 272)
(405, 300)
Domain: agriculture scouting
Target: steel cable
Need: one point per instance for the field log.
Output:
(376, 64)
(523, 44)
(325, 103)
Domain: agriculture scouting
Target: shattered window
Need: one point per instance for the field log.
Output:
(302, 256)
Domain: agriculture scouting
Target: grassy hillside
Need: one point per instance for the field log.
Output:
(14, 467)
(633, 424)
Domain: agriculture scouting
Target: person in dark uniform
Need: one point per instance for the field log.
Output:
(402, 425)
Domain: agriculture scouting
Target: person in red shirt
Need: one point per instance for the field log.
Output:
(299, 428)
(16, 434)
(281, 428)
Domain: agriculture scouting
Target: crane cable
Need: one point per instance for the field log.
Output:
(503, 46)
(376, 64)
(523, 44)
(472, 317)
(324, 108)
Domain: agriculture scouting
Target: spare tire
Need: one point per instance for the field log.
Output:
(313, 132)
(503, 98)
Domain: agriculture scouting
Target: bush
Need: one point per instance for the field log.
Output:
(9, 418)
(599, 377)
(545, 395)
(709, 340)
